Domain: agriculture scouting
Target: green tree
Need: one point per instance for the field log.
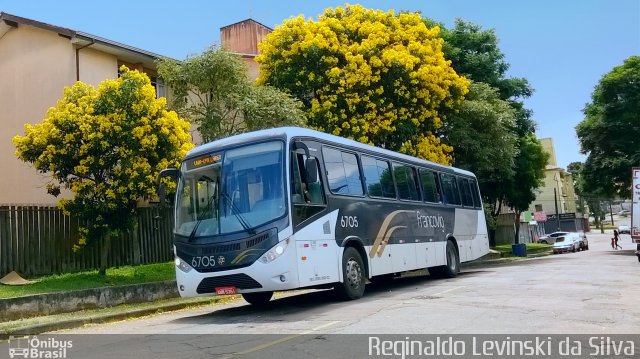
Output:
(377, 77)
(483, 140)
(212, 90)
(610, 133)
(474, 53)
(528, 175)
(593, 200)
(106, 145)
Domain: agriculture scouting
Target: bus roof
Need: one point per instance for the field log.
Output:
(291, 132)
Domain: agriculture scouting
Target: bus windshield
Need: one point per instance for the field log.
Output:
(230, 191)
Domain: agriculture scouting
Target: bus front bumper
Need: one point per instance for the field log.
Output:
(277, 275)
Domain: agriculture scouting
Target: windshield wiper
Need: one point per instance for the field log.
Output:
(236, 212)
(205, 214)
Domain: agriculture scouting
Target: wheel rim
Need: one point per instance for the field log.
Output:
(354, 273)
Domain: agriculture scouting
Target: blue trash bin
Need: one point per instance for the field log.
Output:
(519, 250)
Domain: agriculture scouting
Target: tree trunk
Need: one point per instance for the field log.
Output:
(104, 254)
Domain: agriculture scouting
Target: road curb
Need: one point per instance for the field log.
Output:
(97, 318)
(503, 260)
(72, 301)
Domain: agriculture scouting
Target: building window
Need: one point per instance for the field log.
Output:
(158, 84)
(538, 208)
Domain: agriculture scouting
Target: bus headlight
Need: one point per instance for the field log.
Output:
(182, 265)
(275, 252)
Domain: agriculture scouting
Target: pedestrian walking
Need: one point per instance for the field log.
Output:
(616, 237)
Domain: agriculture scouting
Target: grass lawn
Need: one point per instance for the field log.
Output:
(505, 249)
(91, 279)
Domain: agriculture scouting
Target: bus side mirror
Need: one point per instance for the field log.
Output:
(162, 194)
(312, 170)
(161, 188)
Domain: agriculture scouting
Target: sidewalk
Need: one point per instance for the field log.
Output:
(110, 312)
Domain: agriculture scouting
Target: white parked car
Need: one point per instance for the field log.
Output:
(569, 242)
(624, 229)
(551, 237)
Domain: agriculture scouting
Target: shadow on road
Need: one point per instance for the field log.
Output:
(622, 252)
(313, 303)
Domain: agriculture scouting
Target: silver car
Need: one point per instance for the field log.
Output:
(551, 238)
(624, 229)
(584, 242)
(567, 243)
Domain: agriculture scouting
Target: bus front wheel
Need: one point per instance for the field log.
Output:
(352, 287)
(452, 267)
(258, 299)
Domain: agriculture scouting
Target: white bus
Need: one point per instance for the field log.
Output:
(290, 208)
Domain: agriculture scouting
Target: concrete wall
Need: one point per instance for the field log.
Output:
(243, 37)
(558, 179)
(65, 302)
(547, 144)
(96, 66)
(35, 66)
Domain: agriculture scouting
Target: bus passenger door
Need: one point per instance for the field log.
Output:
(316, 248)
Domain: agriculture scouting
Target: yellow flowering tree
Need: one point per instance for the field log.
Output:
(377, 77)
(106, 145)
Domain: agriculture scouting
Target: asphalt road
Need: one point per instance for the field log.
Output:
(594, 292)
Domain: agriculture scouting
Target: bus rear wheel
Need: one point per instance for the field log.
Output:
(352, 287)
(452, 268)
(259, 299)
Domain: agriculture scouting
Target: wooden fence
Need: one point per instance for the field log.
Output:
(39, 241)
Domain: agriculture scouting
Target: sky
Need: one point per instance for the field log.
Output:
(562, 47)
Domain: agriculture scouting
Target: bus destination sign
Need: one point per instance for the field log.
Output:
(203, 161)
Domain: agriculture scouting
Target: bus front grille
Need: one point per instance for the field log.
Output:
(240, 281)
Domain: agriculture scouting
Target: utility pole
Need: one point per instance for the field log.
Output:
(555, 200)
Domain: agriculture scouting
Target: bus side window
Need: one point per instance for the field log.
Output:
(406, 182)
(430, 186)
(343, 173)
(450, 189)
(475, 193)
(378, 178)
(467, 199)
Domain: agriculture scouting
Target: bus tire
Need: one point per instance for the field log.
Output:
(353, 274)
(259, 299)
(452, 268)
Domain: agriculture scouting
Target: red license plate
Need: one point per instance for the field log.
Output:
(226, 290)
